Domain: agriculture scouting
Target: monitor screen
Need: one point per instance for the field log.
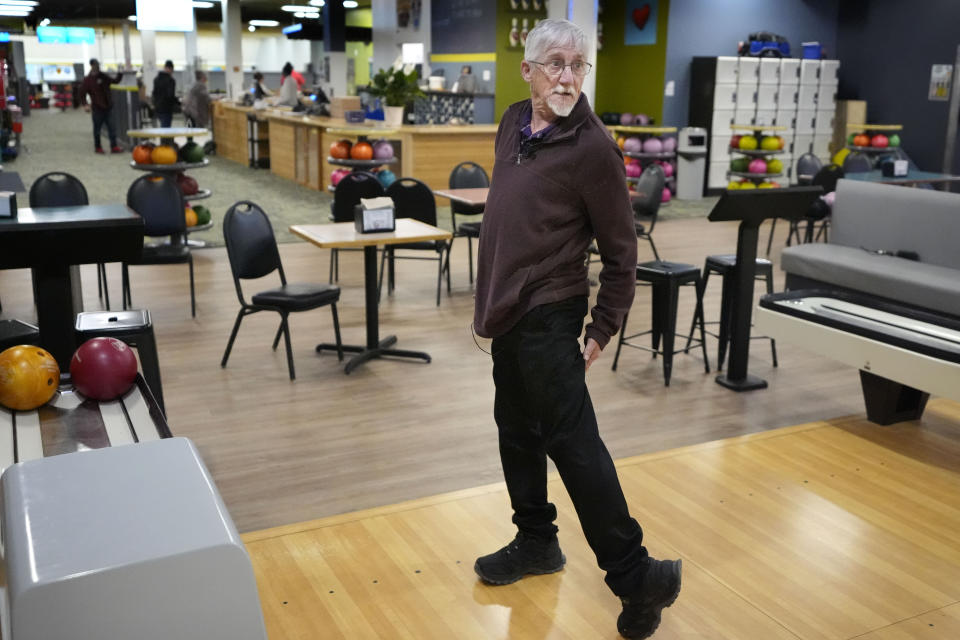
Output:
(51, 35)
(33, 74)
(55, 73)
(81, 35)
(165, 15)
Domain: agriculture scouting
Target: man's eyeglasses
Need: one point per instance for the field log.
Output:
(554, 68)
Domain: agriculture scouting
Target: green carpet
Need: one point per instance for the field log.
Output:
(62, 141)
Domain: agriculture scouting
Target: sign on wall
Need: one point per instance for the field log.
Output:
(940, 82)
(463, 26)
(640, 26)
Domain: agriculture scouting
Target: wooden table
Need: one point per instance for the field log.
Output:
(474, 196)
(340, 235)
(49, 240)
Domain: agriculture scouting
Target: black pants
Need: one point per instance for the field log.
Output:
(542, 408)
(101, 118)
(165, 119)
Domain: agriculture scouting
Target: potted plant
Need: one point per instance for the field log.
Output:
(395, 88)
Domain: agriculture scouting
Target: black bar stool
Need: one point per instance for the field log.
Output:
(723, 266)
(665, 278)
(14, 332)
(133, 327)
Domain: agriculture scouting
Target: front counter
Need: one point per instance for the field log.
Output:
(298, 144)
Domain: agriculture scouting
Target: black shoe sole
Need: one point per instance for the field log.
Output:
(499, 582)
(667, 603)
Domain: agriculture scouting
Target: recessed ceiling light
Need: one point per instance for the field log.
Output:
(264, 23)
(132, 18)
(313, 16)
(316, 3)
(198, 4)
(294, 8)
(350, 4)
(251, 28)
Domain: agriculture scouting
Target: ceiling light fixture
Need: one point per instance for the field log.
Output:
(132, 18)
(251, 28)
(313, 16)
(14, 13)
(21, 3)
(318, 3)
(350, 4)
(45, 22)
(295, 8)
(6, 6)
(197, 4)
(264, 23)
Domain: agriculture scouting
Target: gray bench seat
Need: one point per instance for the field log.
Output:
(889, 218)
(914, 283)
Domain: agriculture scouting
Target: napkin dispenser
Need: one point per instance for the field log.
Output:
(894, 168)
(374, 215)
(8, 204)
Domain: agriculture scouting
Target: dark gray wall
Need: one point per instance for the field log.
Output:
(714, 27)
(886, 50)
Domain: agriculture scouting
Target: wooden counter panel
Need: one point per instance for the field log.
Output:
(283, 150)
(230, 134)
(432, 157)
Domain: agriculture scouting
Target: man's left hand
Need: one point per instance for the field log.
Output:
(590, 353)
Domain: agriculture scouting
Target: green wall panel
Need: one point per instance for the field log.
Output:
(631, 78)
(510, 87)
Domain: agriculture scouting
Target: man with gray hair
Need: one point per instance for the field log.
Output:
(558, 182)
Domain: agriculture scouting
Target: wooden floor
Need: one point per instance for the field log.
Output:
(837, 529)
(283, 452)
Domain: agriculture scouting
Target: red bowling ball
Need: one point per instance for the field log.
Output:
(103, 368)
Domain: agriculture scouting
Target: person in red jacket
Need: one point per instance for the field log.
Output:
(96, 87)
(558, 182)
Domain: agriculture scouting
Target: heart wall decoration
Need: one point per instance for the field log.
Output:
(640, 25)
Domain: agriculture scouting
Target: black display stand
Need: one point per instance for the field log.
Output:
(751, 208)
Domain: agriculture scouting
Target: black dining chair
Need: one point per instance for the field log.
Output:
(346, 196)
(158, 200)
(60, 189)
(819, 211)
(467, 175)
(252, 250)
(806, 168)
(857, 162)
(645, 202)
(414, 199)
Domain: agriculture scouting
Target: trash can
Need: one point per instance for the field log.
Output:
(691, 162)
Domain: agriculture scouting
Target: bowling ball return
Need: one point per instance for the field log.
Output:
(114, 529)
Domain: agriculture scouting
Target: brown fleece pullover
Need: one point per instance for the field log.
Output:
(548, 198)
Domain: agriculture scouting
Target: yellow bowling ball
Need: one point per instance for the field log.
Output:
(733, 184)
(748, 143)
(840, 156)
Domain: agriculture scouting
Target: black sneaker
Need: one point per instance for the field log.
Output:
(526, 555)
(641, 610)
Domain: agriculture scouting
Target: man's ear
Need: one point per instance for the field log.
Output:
(526, 71)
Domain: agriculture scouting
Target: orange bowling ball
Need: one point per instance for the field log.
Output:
(340, 149)
(29, 377)
(362, 151)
